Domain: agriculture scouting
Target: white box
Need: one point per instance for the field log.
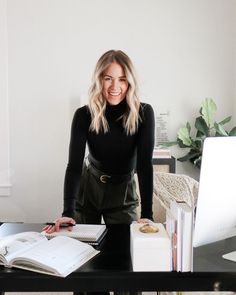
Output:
(150, 251)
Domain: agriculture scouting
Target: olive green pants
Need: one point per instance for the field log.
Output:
(115, 201)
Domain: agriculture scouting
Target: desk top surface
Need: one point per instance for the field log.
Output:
(112, 269)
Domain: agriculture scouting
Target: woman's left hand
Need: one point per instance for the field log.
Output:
(144, 220)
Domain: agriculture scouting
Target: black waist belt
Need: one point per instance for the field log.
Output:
(106, 178)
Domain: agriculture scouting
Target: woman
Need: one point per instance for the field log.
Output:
(119, 133)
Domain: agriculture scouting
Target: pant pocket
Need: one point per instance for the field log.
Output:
(120, 195)
(131, 196)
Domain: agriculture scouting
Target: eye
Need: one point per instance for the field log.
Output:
(107, 78)
(123, 80)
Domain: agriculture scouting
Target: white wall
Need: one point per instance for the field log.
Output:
(234, 119)
(4, 110)
(183, 51)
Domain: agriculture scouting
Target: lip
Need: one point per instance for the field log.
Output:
(114, 93)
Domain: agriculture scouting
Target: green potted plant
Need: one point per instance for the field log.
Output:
(205, 126)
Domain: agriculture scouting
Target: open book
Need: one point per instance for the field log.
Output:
(33, 251)
(89, 233)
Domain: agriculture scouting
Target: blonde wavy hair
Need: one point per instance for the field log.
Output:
(97, 103)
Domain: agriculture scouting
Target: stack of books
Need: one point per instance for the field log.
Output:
(179, 225)
(161, 153)
(91, 234)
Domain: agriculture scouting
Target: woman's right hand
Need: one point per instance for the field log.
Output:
(62, 220)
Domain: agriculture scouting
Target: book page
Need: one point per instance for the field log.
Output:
(13, 245)
(60, 255)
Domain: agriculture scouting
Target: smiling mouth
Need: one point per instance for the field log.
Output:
(114, 93)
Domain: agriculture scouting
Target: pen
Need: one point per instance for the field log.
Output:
(61, 225)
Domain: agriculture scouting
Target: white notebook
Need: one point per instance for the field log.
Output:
(89, 233)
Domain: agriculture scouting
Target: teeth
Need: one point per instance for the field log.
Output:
(114, 93)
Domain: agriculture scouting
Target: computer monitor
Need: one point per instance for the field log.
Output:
(216, 205)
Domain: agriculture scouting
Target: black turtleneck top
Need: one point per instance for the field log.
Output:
(113, 152)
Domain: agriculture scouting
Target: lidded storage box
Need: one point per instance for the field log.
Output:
(150, 251)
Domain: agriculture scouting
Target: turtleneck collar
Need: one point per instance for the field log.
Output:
(115, 111)
(120, 105)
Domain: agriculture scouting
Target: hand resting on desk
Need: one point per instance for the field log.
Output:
(55, 226)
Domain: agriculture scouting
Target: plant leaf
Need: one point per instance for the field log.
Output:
(184, 135)
(188, 127)
(199, 143)
(181, 144)
(232, 132)
(220, 130)
(201, 126)
(226, 120)
(208, 109)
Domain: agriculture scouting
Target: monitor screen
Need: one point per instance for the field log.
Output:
(216, 205)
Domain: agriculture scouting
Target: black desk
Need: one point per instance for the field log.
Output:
(111, 270)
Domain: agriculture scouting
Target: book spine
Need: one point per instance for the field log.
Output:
(187, 233)
(171, 228)
(176, 212)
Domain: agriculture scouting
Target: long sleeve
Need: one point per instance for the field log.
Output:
(79, 131)
(144, 160)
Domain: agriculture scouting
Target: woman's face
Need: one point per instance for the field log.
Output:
(114, 84)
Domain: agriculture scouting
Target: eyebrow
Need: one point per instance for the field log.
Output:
(113, 77)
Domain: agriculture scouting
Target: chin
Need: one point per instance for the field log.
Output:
(114, 101)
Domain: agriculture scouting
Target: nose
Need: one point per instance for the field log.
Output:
(115, 84)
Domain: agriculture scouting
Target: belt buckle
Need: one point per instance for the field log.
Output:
(103, 178)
